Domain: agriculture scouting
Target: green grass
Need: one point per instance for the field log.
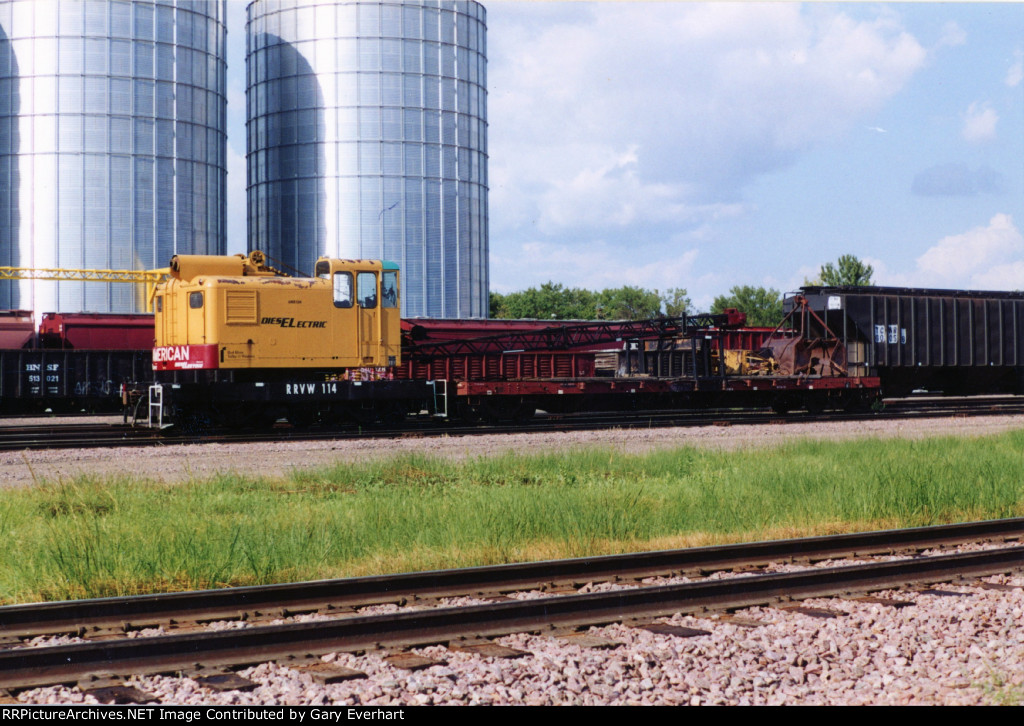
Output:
(91, 537)
(1001, 689)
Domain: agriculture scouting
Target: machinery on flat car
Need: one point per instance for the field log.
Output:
(238, 343)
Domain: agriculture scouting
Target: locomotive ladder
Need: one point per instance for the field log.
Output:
(440, 398)
(156, 404)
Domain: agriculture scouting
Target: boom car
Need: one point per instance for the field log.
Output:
(238, 343)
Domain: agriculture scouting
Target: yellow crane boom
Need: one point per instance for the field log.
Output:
(149, 278)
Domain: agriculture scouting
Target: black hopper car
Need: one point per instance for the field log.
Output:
(957, 342)
(73, 362)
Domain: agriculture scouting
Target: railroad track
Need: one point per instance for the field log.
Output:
(71, 436)
(113, 656)
(21, 437)
(105, 615)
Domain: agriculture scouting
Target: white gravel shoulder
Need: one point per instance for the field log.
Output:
(189, 462)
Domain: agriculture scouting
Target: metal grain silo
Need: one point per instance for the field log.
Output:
(112, 142)
(367, 137)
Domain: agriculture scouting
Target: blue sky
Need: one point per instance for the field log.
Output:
(677, 144)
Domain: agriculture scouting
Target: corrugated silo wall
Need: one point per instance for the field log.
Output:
(112, 142)
(367, 138)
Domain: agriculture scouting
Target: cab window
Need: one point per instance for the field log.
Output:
(342, 289)
(367, 289)
(195, 300)
(389, 290)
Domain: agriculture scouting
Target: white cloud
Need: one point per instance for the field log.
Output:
(606, 116)
(236, 216)
(607, 190)
(236, 100)
(980, 123)
(981, 258)
(884, 275)
(601, 267)
(1006, 276)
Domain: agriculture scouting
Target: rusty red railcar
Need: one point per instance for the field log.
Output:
(17, 329)
(96, 331)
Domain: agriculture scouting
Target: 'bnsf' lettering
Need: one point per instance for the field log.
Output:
(293, 323)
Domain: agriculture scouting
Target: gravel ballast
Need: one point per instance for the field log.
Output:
(190, 462)
(961, 649)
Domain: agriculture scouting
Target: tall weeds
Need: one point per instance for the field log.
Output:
(93, 537)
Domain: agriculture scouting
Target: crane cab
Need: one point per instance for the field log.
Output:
(238, 313)
(366, 296)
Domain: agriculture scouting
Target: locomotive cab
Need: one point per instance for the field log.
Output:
(367, 299)
(237, 313)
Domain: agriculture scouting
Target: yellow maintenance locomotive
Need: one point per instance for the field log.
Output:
(238, 342)
(239, 313)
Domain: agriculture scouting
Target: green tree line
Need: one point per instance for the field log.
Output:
(762, 305)
(553, 301)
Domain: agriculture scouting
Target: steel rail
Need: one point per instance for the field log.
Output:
(72, 436)
(135, 612)
(28, 667)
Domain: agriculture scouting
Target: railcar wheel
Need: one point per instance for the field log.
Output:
(301, 418)
(359, 415)
(856, 403)
(467, 414)
(391, 414)
(233, 416)
(814, 405)
(496, 410)
(525, 412)
(335, 416)
(195, 423)
(264, 417)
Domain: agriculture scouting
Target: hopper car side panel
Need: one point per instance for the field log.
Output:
(40, 379)
(955, 341)
(17, 329)
(96, 331)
